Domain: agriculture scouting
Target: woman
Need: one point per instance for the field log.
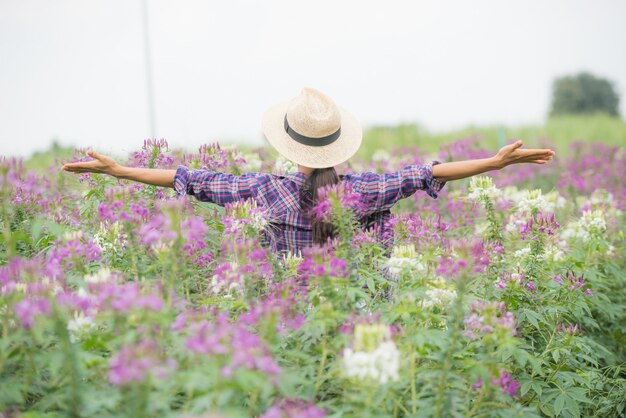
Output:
(313, 132)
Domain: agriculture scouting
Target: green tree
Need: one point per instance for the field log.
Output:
(584, 93)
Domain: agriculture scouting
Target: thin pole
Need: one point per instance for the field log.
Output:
(148, 64)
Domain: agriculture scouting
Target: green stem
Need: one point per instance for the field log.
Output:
(9, 244)
(474, 408)
(549, 379)
(413, 388)
(72, 368)
(320, 371)
(454, 328)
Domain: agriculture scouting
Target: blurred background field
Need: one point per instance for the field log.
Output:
(557, 132)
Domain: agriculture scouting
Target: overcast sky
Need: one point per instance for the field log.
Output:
(75, 70)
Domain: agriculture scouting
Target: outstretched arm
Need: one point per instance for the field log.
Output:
(510, 154)
(107, 165)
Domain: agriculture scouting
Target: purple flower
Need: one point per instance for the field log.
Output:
(480, 255)
(506, 383)
(158, 230)
(478, 384)
(194, 232)
(539, 223)
(133, 363)
(124, 297)
(27, 310)
(576, 282)
(210, 156)
(244, 348)
(450, 267)
(487, 318)
(151, 155)
(576, 329)
(294, 408)
(206, 338)
(74, 251)
(322, 210)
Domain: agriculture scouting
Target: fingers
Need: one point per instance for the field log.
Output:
(536, 153)
(517, 144)
(74, 168)
(94, 154)
(82, 167)
(93, 166)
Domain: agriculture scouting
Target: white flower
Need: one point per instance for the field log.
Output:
(601, 197)
(404, 257)
(438, 297)
(480, 228)
(381, 155)
(591, 223)
(79, 325)
(284, 166)
(110, 237)
(101, 276)
(246, 213)
(54, 286)
(554, 201)
(381, 365)
(516, 221)
(229, 284)
(253, 162)
(533, 200)
(554, 252)
(291, 261)
(72, 235)
(483, 186)
(523, 253)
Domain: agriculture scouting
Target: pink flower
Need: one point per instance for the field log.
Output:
(27, 310)
(294, 408)
(487, 318)
(506, 383)
(243, 348)
(133, 363)
(322, 210)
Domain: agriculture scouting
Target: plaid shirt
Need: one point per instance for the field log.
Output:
(284, 197)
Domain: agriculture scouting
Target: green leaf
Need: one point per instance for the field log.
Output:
(537, 387)
(579, 394)
(35, 229)
(521, 356)
(547, 409)
(533, 317)
(572, 407)
(559, 403)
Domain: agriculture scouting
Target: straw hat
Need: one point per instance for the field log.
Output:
(312, 131)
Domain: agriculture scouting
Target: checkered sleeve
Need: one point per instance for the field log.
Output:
(381, 191)
(216, 187)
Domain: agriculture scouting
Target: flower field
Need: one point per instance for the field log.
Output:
(504, 297)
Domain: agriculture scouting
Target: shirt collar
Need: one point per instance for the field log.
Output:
(299, 178)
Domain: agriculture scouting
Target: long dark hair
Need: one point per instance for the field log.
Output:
(321, 177)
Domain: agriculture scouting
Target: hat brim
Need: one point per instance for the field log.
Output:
(324, 156)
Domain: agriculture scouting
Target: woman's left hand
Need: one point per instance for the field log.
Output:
(512, 154)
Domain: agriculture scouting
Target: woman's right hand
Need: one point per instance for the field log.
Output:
(101, 164)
